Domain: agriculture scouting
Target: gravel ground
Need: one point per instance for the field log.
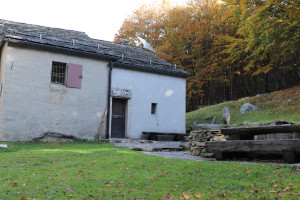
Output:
(166, 149)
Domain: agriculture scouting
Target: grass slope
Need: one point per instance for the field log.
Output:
(103, 171)
(279, 105)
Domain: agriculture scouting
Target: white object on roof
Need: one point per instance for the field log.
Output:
(146, 44)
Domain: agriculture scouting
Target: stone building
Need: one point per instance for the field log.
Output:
(62, 81)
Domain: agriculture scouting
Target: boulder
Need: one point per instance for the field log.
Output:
(200, 144)
(196, 152)
(267, 124)
(219, 138)
(248, 124)
(208, 127)
(248, 107)
(226, 115)
(207, 155)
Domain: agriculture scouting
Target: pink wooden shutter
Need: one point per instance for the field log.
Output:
(74, 75)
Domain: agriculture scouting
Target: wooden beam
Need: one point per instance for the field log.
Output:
(158, 133)
(289, 156)
(102, 124)
(253, 145)
(260, 130)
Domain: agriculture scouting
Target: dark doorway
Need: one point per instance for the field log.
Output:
(118, 118)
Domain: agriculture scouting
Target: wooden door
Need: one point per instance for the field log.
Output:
(118, 118)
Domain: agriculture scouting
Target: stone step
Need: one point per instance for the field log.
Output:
(149, 145)
(3, 145)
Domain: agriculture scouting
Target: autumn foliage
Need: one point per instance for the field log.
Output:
(232, 48)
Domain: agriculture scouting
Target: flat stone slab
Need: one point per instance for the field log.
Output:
(3, 145)
(148, 145)
(177, 155)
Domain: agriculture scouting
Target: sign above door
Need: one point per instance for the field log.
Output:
(122, 93)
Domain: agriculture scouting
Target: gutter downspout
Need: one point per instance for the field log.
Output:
(111, 65)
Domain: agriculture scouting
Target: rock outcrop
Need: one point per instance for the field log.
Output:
(248, 107)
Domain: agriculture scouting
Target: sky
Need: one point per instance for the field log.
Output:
(100, 19)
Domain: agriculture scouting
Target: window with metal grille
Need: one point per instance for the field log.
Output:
(153, 108)
(58, 73)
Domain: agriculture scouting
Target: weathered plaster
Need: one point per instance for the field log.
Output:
(32, 105)
(167, 91)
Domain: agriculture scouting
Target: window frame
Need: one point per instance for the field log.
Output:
(58, 68)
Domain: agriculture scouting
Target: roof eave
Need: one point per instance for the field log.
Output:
(79, 52)
(61, 49)
(151, 70)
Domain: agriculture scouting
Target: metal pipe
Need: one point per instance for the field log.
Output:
(111, 65)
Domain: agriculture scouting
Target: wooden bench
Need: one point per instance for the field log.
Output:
(154, 135)
(242, 140)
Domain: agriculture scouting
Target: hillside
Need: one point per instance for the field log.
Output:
(279, 105)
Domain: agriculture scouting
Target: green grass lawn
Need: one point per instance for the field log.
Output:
(102, 171)
(279, 105)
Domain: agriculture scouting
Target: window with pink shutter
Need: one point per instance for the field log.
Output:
(74, 75)
(58, 72)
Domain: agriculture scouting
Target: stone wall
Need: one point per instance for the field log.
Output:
(31, 104)
(200, 135)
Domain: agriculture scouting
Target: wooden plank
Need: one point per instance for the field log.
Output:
(157, 133)
(219, 155)
(261, 130)
(253, 145)
(102, 124)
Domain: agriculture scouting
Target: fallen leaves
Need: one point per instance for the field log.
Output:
(68, 188)
(132, 180)
(185, 196)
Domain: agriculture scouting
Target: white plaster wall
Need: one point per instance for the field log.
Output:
(147, 88)
(32, 105)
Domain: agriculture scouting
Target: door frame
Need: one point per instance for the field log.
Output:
(126, 116)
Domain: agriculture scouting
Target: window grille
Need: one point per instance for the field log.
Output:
(58, 72)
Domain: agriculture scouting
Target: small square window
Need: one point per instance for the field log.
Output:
(153, 108)
(58, 73)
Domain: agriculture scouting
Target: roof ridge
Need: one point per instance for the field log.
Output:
(55, 28)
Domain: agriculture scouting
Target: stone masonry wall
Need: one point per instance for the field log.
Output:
(202, 134)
